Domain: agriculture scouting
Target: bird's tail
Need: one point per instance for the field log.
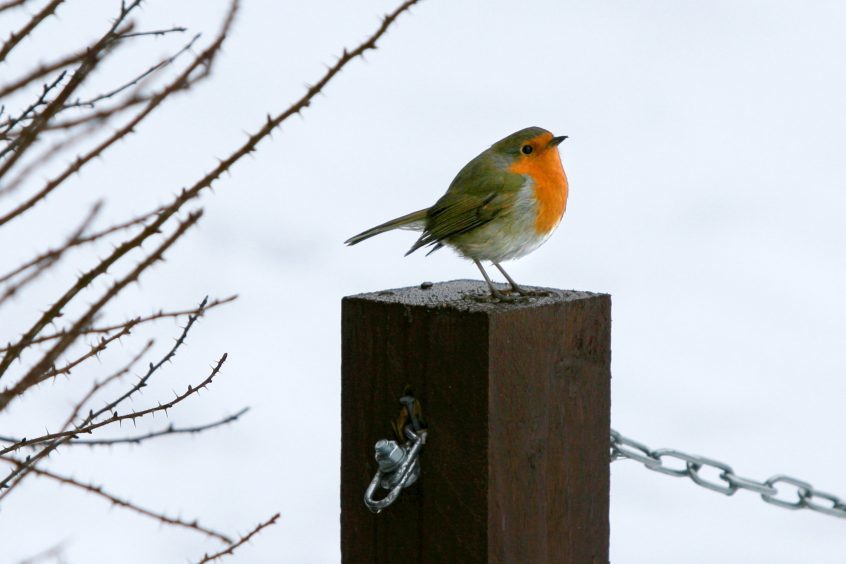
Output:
(414, 220)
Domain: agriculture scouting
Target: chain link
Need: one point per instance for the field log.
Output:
(775, 490)
(398, 462)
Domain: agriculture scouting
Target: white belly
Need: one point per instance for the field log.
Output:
(510, 235)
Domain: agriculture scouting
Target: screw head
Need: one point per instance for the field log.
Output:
(389, 455)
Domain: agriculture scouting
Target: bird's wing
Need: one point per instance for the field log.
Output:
(477, 195)
(453, 215)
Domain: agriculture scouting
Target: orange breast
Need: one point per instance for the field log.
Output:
(550, 186)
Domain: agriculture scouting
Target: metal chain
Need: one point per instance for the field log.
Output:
(805, 496)
(398, 463)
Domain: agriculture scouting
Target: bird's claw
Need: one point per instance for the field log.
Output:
(532, 293)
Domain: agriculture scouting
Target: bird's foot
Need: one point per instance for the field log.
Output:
(526, 293)
(495, 296)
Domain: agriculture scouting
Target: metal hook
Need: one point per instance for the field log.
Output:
(399, 467)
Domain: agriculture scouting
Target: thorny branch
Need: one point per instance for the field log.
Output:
(76, 240)
(36, 373)
(64, 436)
(11, 4)
(161, 314)
(46, 68)
(111, 406)
(157, 67)
(138, 439)
(23, 130)
(244, 539)
(206, 58)
(97, 386)
(17, 36)
(50, 259)
(120, 502)
(40, 101)
(93, 351)
(19, 145)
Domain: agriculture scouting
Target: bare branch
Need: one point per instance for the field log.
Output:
(55, 552)
(111, 406)
(16, 37)
(40, 101)
(157, 67)
(76, 240)
(231, 549)
(47, 155)
(46, 68)
(36, 372)
(161, 314)
(51, 259)
(43, 70)
(120, 502)
(138, 439)
(103, 383)
(19, 145)
(57, 439)
(93, 351)
(155, 32)
(27, 137)
(11, 4)
(206, 58)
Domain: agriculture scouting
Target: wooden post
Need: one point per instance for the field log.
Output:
(517, 399)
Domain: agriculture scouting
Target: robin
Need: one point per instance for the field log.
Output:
(502, 205)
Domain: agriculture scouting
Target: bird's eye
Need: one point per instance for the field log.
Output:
(526, 149)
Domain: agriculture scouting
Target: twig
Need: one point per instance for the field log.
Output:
(103, 383)
(169, 430)
(36, 372)
(50, 259)
(136, 321)
(12, 4)
(102, 114)
(94, 350)
(77, 240)
(242, 540)
(157, 67)
(43, 70)
(47, 68)
(120, 502)
(16, 37)
(38, 163)
(30, 133)
(155, 32)
(111, 406)
(205, 58)
(40, 101)
(58, 438)
(55, 552)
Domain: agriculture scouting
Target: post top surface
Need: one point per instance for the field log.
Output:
(467, 295)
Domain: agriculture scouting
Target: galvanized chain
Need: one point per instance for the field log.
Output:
(398, 463)
(805, 496)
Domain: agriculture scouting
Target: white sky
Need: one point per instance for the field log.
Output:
(706, 161)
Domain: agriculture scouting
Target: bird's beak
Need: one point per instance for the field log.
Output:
(555, 141)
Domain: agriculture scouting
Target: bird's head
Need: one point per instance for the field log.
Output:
(527, 145)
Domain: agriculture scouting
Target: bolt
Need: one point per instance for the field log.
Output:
(389, 455)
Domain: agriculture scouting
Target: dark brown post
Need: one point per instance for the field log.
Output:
(517, 399)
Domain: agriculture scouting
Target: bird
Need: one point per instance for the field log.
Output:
(502, 205)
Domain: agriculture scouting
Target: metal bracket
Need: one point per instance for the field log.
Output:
(399, 464)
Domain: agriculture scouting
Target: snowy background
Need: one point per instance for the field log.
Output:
(708, 197)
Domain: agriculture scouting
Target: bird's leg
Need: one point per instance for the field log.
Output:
(516, 287)
(494, 292)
